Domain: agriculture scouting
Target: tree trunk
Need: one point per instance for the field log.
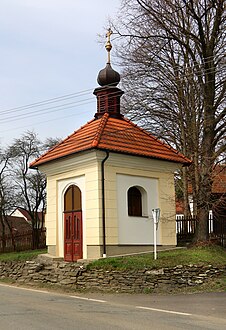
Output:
(3, 235)
(187, 211)
(202, 229)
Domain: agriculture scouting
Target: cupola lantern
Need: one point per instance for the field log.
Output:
(108, 95)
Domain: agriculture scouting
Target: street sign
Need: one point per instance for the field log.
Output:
(156, 218)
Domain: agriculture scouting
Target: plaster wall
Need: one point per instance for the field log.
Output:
(136, 230)
(121, 171)
(84, 172)
(157, 178)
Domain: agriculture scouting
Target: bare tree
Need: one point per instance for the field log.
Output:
(6, 197)
(173, 59)
(21, 186)
(30, 185)
(50, 143)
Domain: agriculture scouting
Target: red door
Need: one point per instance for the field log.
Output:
(73, 236)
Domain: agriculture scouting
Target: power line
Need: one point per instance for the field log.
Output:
(63, 117)
(51, 100)
(48, 120)
(53, 109)
(47, 101)
(50, 110)
(79, 93)
(56, 107)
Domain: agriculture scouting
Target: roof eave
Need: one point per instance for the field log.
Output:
(35, 165)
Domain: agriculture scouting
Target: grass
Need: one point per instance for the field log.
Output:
(213, 255)
(21, 256)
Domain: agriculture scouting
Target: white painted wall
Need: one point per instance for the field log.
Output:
(136, 230)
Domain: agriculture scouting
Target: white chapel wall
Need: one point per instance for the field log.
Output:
(158, 178)
(133, 229)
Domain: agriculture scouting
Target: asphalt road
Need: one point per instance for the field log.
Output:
(22, 309)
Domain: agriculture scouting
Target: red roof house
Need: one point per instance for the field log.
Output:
(218, 190)
(17, 224)
(20, 212)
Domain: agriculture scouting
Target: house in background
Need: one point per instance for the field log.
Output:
(104, 180)
(20, 212)
(14, 235)
(18, 235)
(179, 208)
(18, 224)
(219, 198)
(217, 214)
(218, 194)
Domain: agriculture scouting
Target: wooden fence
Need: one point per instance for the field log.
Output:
(186, 226)
(22, 241)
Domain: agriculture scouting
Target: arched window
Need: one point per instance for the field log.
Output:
(134, 202)
(72, 199)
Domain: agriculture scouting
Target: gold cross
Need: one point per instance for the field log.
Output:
(108, 45)
(108, 34)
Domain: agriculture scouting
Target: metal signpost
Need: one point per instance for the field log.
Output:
(156, 217)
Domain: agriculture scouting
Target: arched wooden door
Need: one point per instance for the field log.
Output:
(72, 224)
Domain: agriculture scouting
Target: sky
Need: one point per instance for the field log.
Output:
(50, 56)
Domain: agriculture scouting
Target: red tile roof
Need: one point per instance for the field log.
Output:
(18, 225)
(179, 207)
(26, 214)
(219, 180)
(116, 135)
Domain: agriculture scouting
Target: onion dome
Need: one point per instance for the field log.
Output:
(108, 76)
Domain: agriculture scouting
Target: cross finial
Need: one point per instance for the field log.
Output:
(109, 33)
(108, 45)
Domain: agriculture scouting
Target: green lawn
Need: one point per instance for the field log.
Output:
(21, 256)
(213, 255)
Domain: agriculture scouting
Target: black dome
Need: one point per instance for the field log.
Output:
(108, 76)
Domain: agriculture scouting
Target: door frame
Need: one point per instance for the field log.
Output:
(62, 186)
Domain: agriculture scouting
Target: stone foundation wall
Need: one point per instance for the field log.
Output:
(78, 277)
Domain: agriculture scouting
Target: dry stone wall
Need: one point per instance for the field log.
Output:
(78, 277)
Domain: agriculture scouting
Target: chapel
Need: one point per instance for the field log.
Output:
(104, 180)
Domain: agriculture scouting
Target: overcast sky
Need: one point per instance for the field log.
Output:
(48, 49)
